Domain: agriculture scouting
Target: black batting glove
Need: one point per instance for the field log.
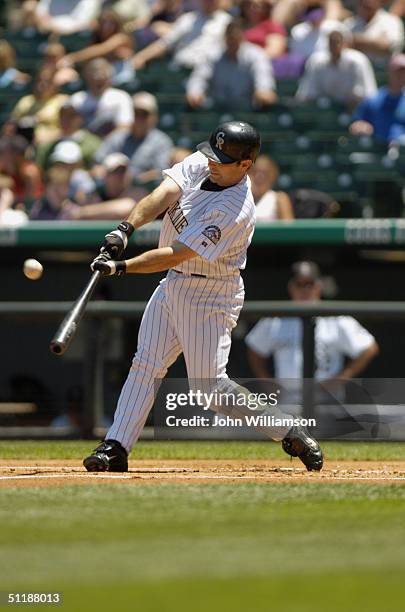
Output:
(116, 241)
(104, 264)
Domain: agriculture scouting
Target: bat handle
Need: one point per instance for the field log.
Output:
(67, 328)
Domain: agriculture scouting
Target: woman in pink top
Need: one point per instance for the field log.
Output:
(261, 29)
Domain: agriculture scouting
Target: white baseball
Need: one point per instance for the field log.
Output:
(33, 269)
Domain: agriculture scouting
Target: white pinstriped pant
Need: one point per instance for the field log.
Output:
(186, 314)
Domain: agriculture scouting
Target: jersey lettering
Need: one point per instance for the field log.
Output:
(177, 218)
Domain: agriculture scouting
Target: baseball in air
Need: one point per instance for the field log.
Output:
(32, 269)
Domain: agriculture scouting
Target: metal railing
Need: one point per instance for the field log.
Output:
(98, 311)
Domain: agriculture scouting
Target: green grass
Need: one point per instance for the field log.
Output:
(338, 451)
(167, 547)
(198, 547)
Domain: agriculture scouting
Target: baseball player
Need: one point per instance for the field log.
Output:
(205, 233)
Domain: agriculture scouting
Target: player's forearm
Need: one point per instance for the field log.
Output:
(156, 260)
(152, 205)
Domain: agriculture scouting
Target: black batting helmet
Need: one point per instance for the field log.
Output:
(232, 141)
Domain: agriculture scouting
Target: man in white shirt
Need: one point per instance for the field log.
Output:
(103, 108)
(304, 36)
(336, 338)
(375, 32)
(66, 16)
(345, 75)
(194, 35)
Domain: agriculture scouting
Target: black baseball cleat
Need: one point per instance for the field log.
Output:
(110, 456)
(299, 443)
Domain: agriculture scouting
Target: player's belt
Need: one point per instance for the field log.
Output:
(191, 274)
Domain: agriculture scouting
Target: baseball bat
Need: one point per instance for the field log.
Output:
(68, 327)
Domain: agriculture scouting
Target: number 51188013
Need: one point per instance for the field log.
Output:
(31, 598)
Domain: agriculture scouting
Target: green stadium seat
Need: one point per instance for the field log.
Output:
(322, 115)
(324, 142)
(204, 121)
(350, 144)
(23, 40)
(286, 88)
(28, 46)
(9, 97)
(77, 41)
(170, 103)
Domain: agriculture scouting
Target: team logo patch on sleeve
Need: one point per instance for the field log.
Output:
(213, 233)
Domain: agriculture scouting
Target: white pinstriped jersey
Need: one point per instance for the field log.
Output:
(189, 315)
(218, 225)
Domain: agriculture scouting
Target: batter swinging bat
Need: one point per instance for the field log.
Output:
(68, 327)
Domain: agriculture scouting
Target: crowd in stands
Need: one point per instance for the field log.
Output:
(84, 133)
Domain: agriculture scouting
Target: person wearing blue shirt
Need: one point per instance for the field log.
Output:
(383, 115)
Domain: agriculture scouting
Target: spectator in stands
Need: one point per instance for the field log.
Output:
(304, 36)
(270, 205)
(342, 74)
(111, 42)
(313, 33)
(56, 197)
(43, 105)
(133, 13)
(383, 115)
(8, 215)
(240, 78)
(9, 74)
(313, 204)
(24, 17)
(68, 157)
(64, 75)
(177, 155)
(24, 175)
(288, 12)
(336, 338)
(193, 35)
(261, 29)
(159, 20)
(66, 16)
(398, 8)
(147, 147)
(114, 194)
(104, 108)
(71, 122)
(375, 32)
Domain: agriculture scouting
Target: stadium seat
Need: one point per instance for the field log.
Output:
(28, 46)
(286, 88)
(9, 97)
(350, 144)
(77, 41)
